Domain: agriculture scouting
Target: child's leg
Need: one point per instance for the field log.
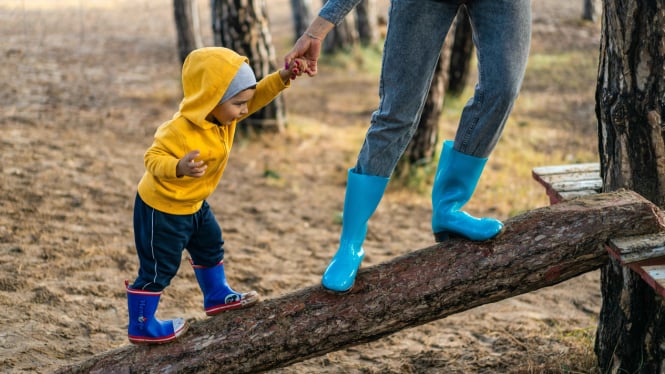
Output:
(160, 239)
(159, 251)
(144, 327)
(206, 249)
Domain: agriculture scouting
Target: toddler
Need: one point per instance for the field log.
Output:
(183, 165)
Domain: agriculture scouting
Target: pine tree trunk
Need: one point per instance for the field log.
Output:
(590, 10)
(302, 16)
(187, 27)
(629, 105)
(367, 22)
(461, 53)
(242, 25)
(342, 38)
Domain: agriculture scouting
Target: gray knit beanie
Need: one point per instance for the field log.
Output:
(243, 80)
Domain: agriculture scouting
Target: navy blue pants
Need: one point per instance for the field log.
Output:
(161, 237)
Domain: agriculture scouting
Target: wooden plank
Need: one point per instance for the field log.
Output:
(559, 196)
(575, 194)
(565, 182)
(568, 169)
(643, 254)
(571, 177)
(655, 276)
(578, 185)
(641, 250)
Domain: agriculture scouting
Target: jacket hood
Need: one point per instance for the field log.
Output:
(206, 74)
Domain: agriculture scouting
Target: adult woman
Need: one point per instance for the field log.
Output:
(416, 32)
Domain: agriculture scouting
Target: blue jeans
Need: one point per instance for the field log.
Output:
(416, 32)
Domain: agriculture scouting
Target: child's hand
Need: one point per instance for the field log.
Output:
(295, 68)
(188, 166)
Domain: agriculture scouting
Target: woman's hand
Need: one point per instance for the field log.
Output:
(308, 50)
(308, 46)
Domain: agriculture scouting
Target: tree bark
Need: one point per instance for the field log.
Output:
(590, 10)
(367, 22)
(342, 38)
(301, 11)
(460, 54)
(242, 25)
(629, 107)
(538, 249)
(187, 26)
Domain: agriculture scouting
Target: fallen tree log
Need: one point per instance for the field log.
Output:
(540, 248)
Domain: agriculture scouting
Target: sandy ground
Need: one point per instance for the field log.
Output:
(85, 84)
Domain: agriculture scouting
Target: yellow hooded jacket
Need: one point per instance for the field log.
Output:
(206, 74)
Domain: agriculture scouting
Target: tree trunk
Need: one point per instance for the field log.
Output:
(536, 250)
(590, 10)
(187, 26)
(242, 25)
(342, 38)
(302, 16)
(629, 108)
(460, 54)
(367, 22)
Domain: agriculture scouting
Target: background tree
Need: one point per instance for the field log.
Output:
(590, 10)
(242, 25)
(342, 37)
(302, 16)
(460, 54)
(630, 101)
(367, 22)
(187, 24)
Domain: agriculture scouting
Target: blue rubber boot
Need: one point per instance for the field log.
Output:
(456, 179)
(217, 295)
(363, 194)
(144, 327)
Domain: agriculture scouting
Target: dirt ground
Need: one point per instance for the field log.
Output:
(85, 84)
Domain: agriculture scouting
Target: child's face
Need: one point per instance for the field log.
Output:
(233, 108)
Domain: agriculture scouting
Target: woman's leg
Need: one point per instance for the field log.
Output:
(416, 33)
(502, 36)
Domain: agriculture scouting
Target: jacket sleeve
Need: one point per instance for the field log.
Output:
(267, 89)
(161, 158)
(335, 10)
